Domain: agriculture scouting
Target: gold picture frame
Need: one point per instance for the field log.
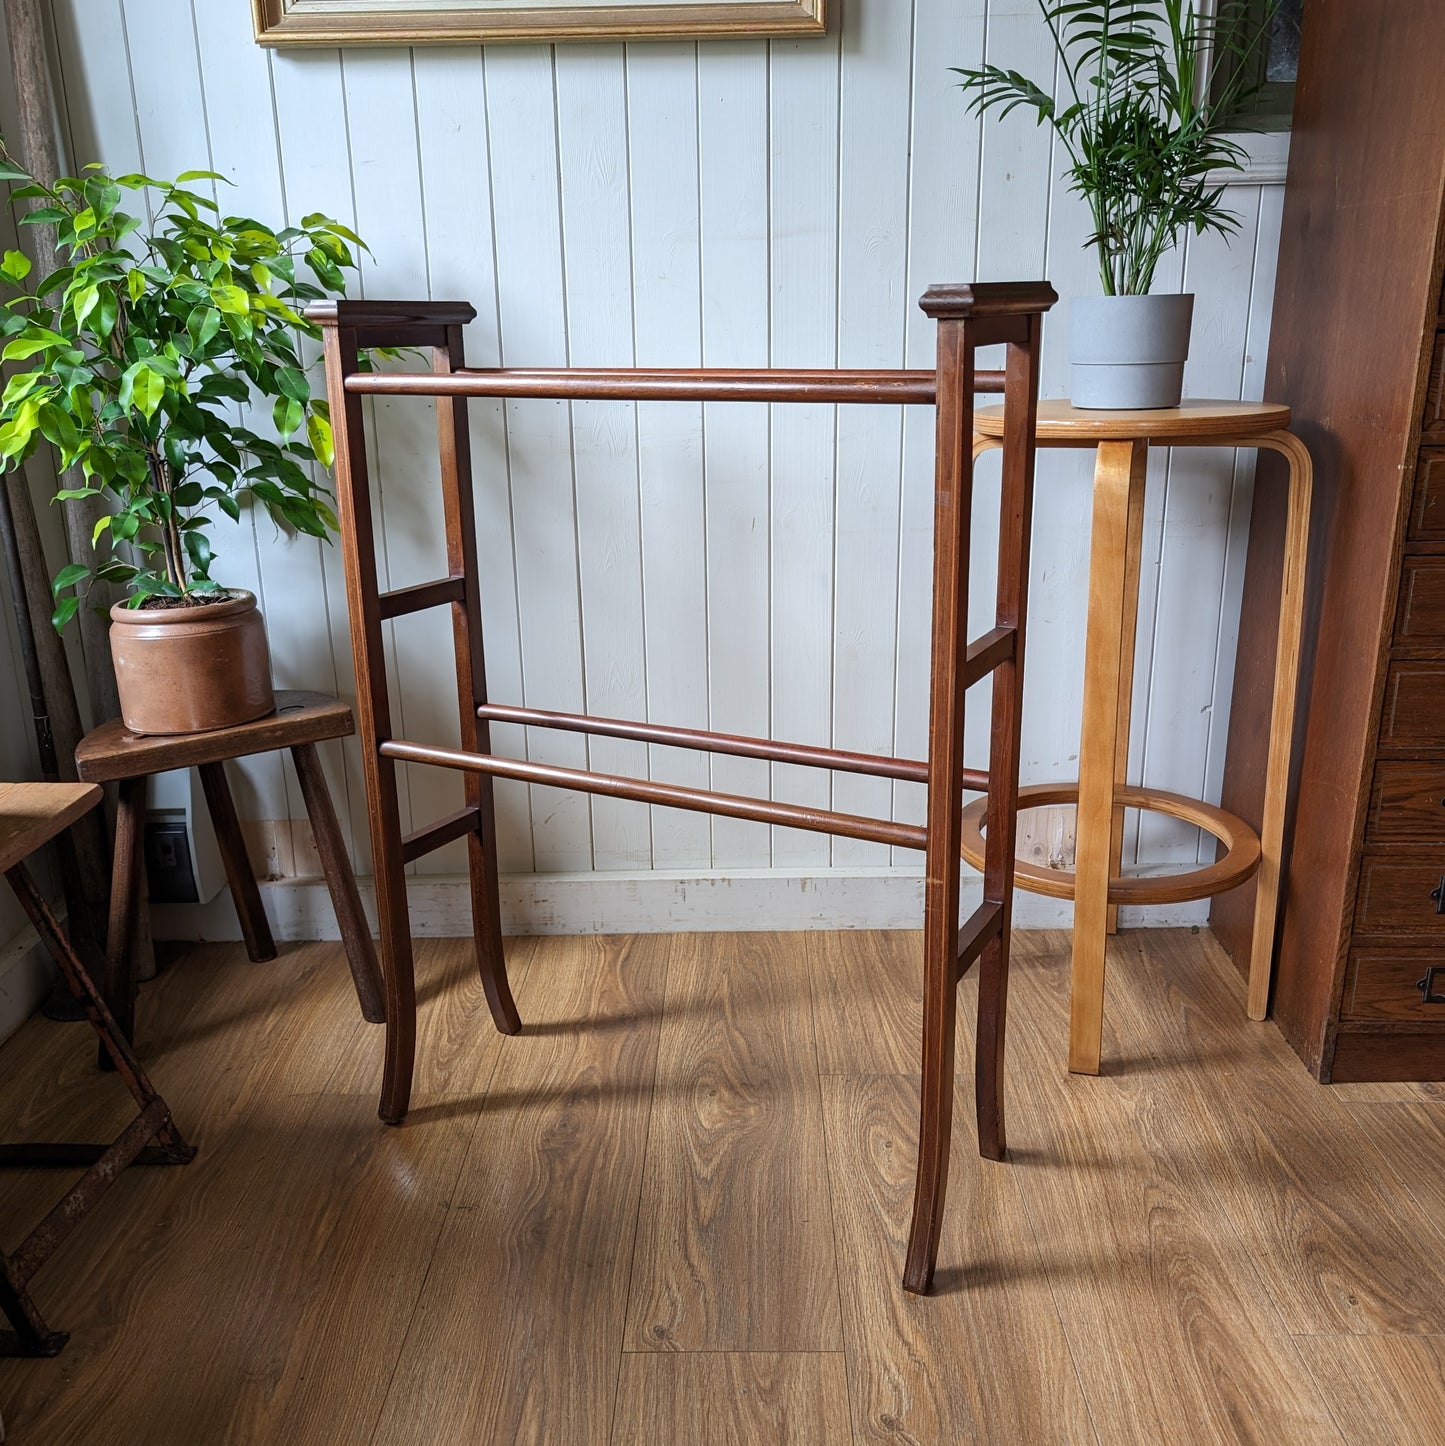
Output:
(463, 22)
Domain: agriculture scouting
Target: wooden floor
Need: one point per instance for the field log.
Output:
(673, 1211)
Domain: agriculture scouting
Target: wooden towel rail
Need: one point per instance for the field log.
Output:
(968, 317)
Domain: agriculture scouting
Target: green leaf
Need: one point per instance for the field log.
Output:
(202, 325)
(318, 433)
(198, 548)
(67, 577)
(135, 284)
(9, 171)
(65, 609)
(292, 383)
(102, 525)
(16, 265)
(201, 176)
(44, 215)
(84, 302)
(287, 414)
(231, 298)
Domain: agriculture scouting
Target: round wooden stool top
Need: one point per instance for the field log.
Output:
(1193, 420)
(112, 751)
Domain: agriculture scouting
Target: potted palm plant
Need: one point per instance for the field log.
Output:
(136, 360)
(1144, 137)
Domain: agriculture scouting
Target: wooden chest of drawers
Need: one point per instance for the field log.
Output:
(1357, 349)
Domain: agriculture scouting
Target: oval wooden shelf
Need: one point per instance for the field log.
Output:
(1239, 863)
(1061, 423)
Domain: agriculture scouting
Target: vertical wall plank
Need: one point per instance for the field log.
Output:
(521, 117)
(593, 157)
(872, 268)
(733, 221)
(667, 306)
(803, 207)
(451, 121)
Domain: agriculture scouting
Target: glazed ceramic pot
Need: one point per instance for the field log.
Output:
(1127, 353)
(191, 669)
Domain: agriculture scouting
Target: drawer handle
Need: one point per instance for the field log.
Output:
(1438, 895)
(1426, 986)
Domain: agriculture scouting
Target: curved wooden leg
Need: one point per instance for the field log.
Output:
(398, 967)
(340, 883)
(487, 908)
(1281, 724)
(935, 1121)
(1119, 471)
(1133, 548)
(255, 928)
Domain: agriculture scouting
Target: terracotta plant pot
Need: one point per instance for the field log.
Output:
(191, 669)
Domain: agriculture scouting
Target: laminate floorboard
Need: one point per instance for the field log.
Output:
(715, 1134)
(751, 1398)
(735, 1243)
(1334, 1240)
(519, 1335)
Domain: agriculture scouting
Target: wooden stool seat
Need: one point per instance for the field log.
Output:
(112, 752)
(31, 814)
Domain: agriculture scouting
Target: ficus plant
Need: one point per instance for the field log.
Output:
(136, 360)
(1141, 129)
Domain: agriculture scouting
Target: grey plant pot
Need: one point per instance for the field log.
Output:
(1128, 352)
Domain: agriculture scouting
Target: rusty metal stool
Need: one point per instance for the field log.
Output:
(31, 814)
(301, 720)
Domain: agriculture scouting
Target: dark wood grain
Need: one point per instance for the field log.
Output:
(1395, 893)
(1432, 420)
(1408, 801)
(255, 928)
(1367, 1053)
(1427, 515)
(340, 882)
(1384, 984)
(1421, 618)
(1354, 352)
(1412, 719)
(111, 751)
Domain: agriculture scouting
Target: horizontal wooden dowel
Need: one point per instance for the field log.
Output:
(446, 830)
(403, 600)
(639, 790)
(986, 652)
(623, 384)
(909, 769)
(980, 926)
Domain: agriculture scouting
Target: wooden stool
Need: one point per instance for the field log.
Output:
(31, 814)
(1123, 440)
(301, 720)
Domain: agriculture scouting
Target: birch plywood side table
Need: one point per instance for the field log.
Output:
(1122, 441)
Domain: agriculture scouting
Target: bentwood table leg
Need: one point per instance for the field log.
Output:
(1134, 546)
(1119, 473)
(1281, 724)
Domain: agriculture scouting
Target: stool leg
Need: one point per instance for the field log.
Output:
(1281, 724)
(486, 905)
(247, 897)
(1120, 469)
(1134, 546)
(340, 883)
(127, 875)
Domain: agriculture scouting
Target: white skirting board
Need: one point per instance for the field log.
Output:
(640, 902)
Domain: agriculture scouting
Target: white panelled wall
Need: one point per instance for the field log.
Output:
(762, 571)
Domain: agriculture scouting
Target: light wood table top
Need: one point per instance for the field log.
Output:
(31, 814)
(1193, 419)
